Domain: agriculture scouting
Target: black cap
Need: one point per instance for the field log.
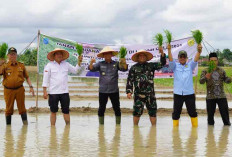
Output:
(213, 54)
(182, 53)
(12, 49)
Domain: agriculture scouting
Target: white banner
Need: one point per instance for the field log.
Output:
(48, 43)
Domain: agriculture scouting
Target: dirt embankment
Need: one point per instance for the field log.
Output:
(161, 111)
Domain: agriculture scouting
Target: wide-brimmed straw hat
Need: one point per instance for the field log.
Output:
(106, 49)
(65, 54)
(146, 53)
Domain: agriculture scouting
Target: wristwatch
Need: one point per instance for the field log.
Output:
(31, 86)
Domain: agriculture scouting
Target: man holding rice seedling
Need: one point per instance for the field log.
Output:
(108, 81)
(55, 78)
(215, 77)
(183, 83)
(14, 73)
(141, 81)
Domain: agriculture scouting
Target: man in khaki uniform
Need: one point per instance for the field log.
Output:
(14, 73)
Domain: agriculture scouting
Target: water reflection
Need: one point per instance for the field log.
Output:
(101, 142)
(115, 144)
(151, 142)
(192, 143)
(10, 149)
(53, 145)
(214, 149)
(176, 142)
(188, 148)
(65, 143)
(9, 142)
(112, 149)
(138, 148)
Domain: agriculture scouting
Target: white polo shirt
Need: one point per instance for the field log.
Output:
(56, 76)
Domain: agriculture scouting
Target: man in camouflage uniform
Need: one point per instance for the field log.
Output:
(141, 77)
(215, 91)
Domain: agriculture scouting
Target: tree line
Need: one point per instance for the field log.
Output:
(224, 58)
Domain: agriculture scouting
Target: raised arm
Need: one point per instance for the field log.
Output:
(2, 66)
(73, 69)
(122, 64)
(169, 53)
(94, 67)
(199, 50)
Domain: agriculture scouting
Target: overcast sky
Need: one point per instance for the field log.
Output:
(115, 21)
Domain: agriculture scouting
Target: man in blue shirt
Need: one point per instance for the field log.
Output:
(183, 85)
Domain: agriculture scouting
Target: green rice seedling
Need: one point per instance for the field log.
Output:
(168, 36)
(79, 49)
(3, 50)
(198, 36)
(158, 39)
(122, 52)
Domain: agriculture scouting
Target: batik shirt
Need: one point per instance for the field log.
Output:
(141, 77)
(215, 88)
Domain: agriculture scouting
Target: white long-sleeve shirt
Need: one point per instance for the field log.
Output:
(56, 76)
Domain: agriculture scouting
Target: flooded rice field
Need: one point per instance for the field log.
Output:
(85, 137)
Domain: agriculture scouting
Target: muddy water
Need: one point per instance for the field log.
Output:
(85, 137)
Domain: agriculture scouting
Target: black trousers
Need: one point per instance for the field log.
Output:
(103, 99)
(178, 104)
(223, 108)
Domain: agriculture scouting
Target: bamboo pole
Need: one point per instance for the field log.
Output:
(37, 75)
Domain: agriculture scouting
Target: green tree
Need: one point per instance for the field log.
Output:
(29, 57)
(227, 54)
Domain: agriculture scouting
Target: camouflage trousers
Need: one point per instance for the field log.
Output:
(141, 100)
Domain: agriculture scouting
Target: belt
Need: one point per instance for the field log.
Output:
(13, 88)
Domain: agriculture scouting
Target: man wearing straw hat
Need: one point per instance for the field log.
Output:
(141, 78)
(183, 84)
(108, 81)
(56, 80)
(14, 73)
(215, 80)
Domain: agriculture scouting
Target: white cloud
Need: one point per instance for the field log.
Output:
(110, 21)
(197, 11)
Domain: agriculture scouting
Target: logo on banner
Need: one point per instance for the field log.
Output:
(191, 42)
(45, 40)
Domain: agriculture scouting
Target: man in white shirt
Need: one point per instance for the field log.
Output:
(55, 78)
